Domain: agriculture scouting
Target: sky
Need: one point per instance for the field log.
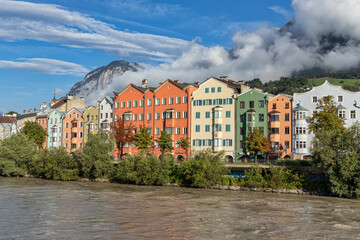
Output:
(51, 45)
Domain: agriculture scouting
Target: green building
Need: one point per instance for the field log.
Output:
(251, 112)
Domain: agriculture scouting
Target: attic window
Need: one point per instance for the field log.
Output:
(169, 87)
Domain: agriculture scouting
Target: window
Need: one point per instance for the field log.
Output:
(169, 130)
(157, 116)
(80, 134)
(241, 144)
(164, 101)
(54, 139)
(141, 103)
(169, 115)
(123, 104)
(197, 128)
(274, 145)
(219, 89)
(197, 142)
(81, 124)
(185, 130)
(274, 130)
(74, 124)
(217, 142)
(300, 130)
(185, 99)
(178, 100)
(207, 128)
(212, 90)
(135, 117)
(171, 100)
(217, 101)
(207, 114)
(227, 127)
(261, 103)
(135, 103)
(314, 99)
(207, 102)
(149, 102)
(149, 130)
(156, 131)
(287, 105)
(287, 145)
(227, 142)
(287, 130)
(341, 113)
(74, 135)
(218, 114)
(185, 114)
(250, 118)
(116, 117)
(178, 115)
(141, 116)
(228, 114)
(73, 146)
(197, 115)
(197, 102)
(287, 117)
(206, 90)
(261, 117)
(340, 98)
(274, 118)
(148, 117)
(251, 104)
(157, 101)
(242, 118)
(66, 135)
(177, 131)
(227, 101)
(116, 104)
(128, 104)
(352, 114)
(300, 115)
(217, 127)
(300, 144)
(242, 104)
(127, 117)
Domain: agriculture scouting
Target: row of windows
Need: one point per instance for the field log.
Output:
(299, 115)
(164, 101)
(74, 135)
(88, 117)
(339, 99)
(274, 106)
(249, 129)
(210, 102)
(216, 128)
(217, 142)
(277, 130)
(216, 113)
(164, 115)
(106, 115)
(73, 145)
(212, 89)
(276, 145)
(73, 124)
(300, 144)
(251, 104)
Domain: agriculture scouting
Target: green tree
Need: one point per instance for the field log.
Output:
(143, 139)
(256, 143)
(35, 132)
(123, 132)
(16, 153)
(185, 144)
(339, 158)
(165, 142)
(326, 117)
(95, 159)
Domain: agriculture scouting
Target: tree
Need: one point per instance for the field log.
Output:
(256, 143)
(123, 133)
(165, 142)
(338, 156)
(35, 132)
(95, 161)
(185, 144)
(326, 118)
(143, 139)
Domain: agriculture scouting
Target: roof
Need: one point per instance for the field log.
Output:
(299, 108)
(26, 115)
(59, 103)
(231, 83)
(274, 111)
(340, 106)
(251, 110)
(109, 99)
(7, 119)
(45, 113)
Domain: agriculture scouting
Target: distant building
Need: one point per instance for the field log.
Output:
(106, 112)
(91, 121)
(73, 130)
(7, 127)
(55, 129)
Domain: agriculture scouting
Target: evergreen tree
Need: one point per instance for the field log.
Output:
(326, 118)
(256, 143)
(35, 132)
(143, 139)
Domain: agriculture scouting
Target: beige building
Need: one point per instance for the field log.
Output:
(213, 115)
(67, 103)
(91, 121)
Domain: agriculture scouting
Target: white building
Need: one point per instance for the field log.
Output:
(348, 105)
(106, 113)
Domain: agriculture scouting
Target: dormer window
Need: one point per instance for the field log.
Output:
(340, 98)
(314, 99)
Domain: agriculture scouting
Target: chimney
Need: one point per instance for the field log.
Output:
(160, 83)
(176, 81)
(24, 111)
(226, 78)
(69, 96)
(197, 83)
(144, 83)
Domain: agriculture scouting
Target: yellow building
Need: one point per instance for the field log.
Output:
(91, 120)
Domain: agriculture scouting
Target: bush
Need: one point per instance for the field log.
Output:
(293, 163)
(16, 153)
(204, 169)
(284, 178)
(55, 164)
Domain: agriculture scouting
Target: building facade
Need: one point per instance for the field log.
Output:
(73, 130)
(91, 121)
(280, 126)
(54, 129)
(251, 112)
(348, 107)
(213, 116)
(106, 113)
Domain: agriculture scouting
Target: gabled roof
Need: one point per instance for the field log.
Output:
(299, 108)
(182, 86)
(109, 100)
(59, 103)
(7, 119)
(340, 106)
(328, 84)
(80, 110)
(231, 83)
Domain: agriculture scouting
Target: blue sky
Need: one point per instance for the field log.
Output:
(48, 45)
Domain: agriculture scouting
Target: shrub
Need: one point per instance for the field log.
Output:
(293, 163)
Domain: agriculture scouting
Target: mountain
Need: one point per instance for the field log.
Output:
(100, 78)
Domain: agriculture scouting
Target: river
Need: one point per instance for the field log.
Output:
(42, 209)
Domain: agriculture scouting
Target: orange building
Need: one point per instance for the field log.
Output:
(166, 107)
(280, 124)
(73, 130)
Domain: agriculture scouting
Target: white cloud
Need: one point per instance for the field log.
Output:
(281, 11)
(44, 65)
(50, 23)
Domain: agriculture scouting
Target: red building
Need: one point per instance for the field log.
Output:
(166, 107)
